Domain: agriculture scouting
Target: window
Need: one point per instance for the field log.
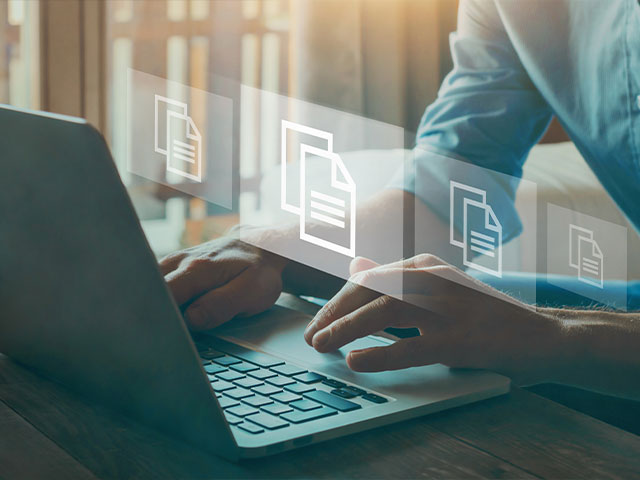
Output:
(19, 53)
(188, 41)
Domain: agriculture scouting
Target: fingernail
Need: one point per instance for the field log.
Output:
(321, 338)
(353, 358)
(308, 329)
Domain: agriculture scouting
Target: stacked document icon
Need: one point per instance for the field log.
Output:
(585, 256)
(480, 235)
(178, 138)
(326, 203)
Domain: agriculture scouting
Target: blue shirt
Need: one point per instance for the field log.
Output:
(517, 63)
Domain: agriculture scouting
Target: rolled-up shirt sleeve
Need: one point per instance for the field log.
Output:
(488, 113)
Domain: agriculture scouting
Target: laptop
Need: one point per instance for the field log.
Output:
(83, 302)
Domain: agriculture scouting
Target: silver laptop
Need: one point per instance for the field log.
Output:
(83, 302)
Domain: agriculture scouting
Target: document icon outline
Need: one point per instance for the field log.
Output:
(174, 148)
(587, 258)
(487, 243)
(295, 127)
(323, 208)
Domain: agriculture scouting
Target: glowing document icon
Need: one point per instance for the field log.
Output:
(327, 203)
(178, 138)
(481, 235)
(585, 256)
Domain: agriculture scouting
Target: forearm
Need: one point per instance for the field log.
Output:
(598, 351)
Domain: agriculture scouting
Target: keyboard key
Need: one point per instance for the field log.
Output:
(257, 400)
(298, 417)
(221, 386)
(232, 419)
(213, 368)
(354, 390)
(333, 383)
(305, 405)
(257, 358)
(244, 367)
(267, 421)
(280, 381)
(226, 360)
(210, 354)
(341, 392)
(285, 397)
(372, 397)
(229, 376)
(288, 370)
(266, 390)
(332, 401)
(204, 361)
(299, 388)
(238, 393)
(250, 427)
(262, 373)
(248, 382)
(309, 377)
(241, 410)
(277, 408)
(226, 402)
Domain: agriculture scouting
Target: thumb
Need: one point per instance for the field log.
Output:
(360, 264)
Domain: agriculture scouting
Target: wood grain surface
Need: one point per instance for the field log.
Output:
(47, 431)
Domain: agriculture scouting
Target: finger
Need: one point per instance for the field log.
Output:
(172, 261)
(364, 287)
(350, 297)
(377, 315)
(405, 353)
(201, 275)
(360, 264)
(418, 261)
(251, 292)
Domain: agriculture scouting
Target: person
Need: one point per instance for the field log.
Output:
(515, 65)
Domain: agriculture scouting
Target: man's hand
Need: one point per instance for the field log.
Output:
(462, 322)
(221, 279)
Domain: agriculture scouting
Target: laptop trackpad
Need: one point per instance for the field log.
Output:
(279, 332)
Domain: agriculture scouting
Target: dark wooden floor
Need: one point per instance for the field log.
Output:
(48, 432)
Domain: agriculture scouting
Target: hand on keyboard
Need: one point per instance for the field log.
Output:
(223, 278)
(463, 322)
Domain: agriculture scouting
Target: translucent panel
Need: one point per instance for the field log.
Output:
(326, 167)
(179, 136)
(591, 252)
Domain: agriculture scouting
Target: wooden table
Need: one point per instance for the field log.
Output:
(48, 432)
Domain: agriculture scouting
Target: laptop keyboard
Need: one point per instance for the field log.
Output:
(260, 393)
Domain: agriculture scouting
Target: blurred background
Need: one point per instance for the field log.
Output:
(382, 59)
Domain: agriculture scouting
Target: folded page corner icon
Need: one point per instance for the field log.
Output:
(327, 198)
